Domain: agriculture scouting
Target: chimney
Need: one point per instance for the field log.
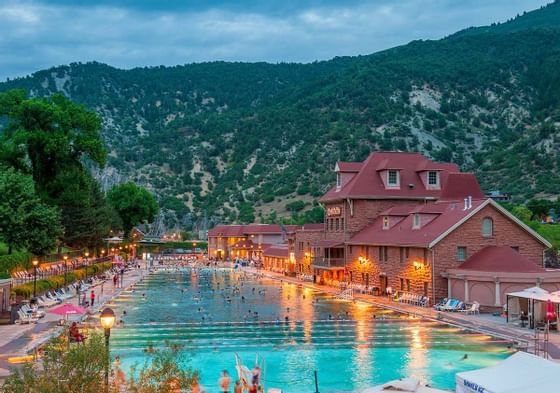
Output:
(470, 202)
(466, 204)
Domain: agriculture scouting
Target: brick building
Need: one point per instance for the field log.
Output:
(401, 220)
(246, 241)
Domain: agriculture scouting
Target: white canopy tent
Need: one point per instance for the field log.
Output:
(530, 301)
(520, 373)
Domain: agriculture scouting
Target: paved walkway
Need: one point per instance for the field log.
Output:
(20, 340)
(484, 323)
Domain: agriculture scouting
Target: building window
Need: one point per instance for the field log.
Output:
(516, 248)
(385, 222)
(425, 256)
(416, 221)
(461, 253)
(403, 258)
(351, 278)
(408, 285)
(336, 224)
(342, 224)
(393, 178)
(331, 224)
(487, 227)
(402, 284)
(350, 249)
(338, 180)
(425, 288)
(383, 254)
(301, 246)
(433, 178)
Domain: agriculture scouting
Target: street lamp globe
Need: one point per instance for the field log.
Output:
(107, 318)
(87, 254)
(35, 262)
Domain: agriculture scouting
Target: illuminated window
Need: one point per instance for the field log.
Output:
(385, 222)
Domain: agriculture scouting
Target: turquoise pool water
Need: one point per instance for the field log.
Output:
(351, 345)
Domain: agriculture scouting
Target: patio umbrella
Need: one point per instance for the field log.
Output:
(67, 309)
(550, 313)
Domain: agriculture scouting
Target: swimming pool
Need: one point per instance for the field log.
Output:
(295, 330)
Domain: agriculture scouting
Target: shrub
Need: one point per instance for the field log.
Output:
(16, 261)
(53, 282)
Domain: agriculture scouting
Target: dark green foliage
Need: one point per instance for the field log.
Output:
(133, 204)
(221, 135)
(25, 221)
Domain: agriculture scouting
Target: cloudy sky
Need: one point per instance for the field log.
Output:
(128, 33)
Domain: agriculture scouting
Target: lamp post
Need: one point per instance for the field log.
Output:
(65, 268)
(35, 264)
(86, 257)
(107, 319)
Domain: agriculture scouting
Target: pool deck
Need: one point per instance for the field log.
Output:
(483, 323)
(21, 340)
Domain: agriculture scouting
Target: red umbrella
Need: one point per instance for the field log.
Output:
(550, 313)
(67, 308)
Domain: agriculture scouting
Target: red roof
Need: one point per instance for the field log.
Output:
(312, 227)
(500, 259)
(367, 183)
(251, 229)
(278, 251)
(435, 220)
(226, 231)
(349, 166)
(460, 186)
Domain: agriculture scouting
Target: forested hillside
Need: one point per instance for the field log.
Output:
(243, 142)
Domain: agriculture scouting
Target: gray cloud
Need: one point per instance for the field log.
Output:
(126, 34)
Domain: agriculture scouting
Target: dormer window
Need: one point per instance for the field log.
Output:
(385, 222)
(416, 221)
(392, 178)
(338, 180)
(433, 178)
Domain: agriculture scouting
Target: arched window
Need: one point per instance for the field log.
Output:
(487, 227)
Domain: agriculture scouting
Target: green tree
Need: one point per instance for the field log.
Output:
(523, 213)
(133, 204)
(164, 372)
(81, 369)
(25, 221)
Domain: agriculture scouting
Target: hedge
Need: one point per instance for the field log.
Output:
(53, 282)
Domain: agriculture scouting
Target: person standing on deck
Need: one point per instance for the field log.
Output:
(92, 298)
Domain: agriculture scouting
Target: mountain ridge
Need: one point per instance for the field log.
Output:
(241, 141)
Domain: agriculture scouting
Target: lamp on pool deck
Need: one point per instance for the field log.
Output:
(65, 268)
(107, 319)
(35, 264)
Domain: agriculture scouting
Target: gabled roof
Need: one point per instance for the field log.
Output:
(368, 184)
(342, 166)
(500, 259)
(438, 220)
(278, 251)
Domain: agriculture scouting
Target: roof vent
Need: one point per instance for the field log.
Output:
(411, 186)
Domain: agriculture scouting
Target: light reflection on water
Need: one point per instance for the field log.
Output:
(340, 339)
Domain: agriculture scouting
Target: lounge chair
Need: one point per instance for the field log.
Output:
(24, 318)
(451, 305)
(473, 309)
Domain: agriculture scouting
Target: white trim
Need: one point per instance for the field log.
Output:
(336, 167)
(459, 223)
(502, 210)
(520, 223)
